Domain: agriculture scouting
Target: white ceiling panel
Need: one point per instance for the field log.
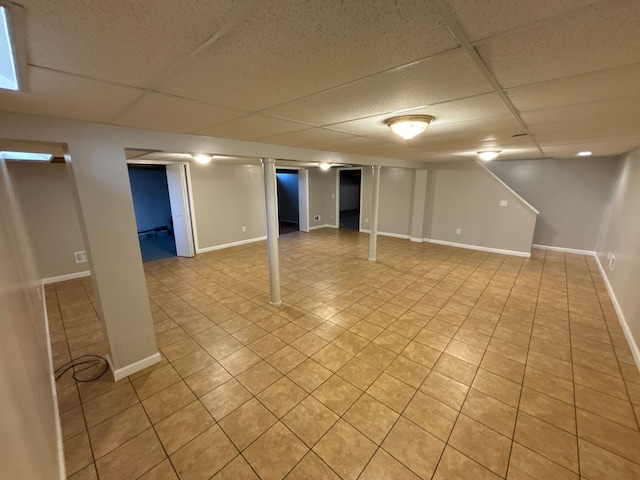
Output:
(301, 47)
(57, 94)
(603, 85)
(305, 137)
(121, 41)
(599, 149)
(604, 35)
(482, 19)
(157, 111)
(596, 113)
(253, 127)
(445, 77)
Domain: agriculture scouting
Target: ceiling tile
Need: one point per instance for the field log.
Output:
(481, 19)
(480, 106)
(58, 94)
(623, 110)
(604, 35)
(599, 149)
(253, 127)
(603, 85)
(445, 77)
(157, 111)
(119, 40)
(305, 137)
(291, 48)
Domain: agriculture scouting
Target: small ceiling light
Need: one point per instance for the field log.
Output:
(585, 153)
(26, 156)
(202, 158)
(488, 155)
(408, 126)
(325, 166)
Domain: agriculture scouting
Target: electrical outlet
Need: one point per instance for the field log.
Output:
(333, 195)
(458, 231)
(612, 262)
(316, 218)
(331, 217)
(503, 203)
(244, 229)
(366, 220)
(81, 257)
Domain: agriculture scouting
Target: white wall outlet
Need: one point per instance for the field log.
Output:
(612, 262)
(458, 231)
(244, 229)
(333, 195)
(316, 218)
(81, 257)
(331, 217)
(366, 220)
(503, 203)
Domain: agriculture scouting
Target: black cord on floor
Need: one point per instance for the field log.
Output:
(87, 362)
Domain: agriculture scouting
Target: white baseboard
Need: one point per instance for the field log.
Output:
(479, 248)
(564, 250)
(415, 239)
(388, 234)
(635, 351)
(120, 373)
(316, 227)
(228, 245)
(64, 278)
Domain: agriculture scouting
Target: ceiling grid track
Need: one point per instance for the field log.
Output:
(464, 42)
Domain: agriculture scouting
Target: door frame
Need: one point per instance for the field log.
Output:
(303, 196)
(338, 195)
(187, 192)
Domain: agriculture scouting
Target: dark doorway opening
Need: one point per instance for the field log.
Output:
(152, 207)
(350, 199)
(288, 203)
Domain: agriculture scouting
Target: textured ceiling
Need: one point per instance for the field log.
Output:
(325, 74)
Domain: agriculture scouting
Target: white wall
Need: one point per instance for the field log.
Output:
(465, 196)
(44, 192)
(620, 236)
(570, 194)
(29, 435)
(322, 197)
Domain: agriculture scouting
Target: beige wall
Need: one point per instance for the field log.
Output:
(28, 433)
(46, 198)
(620, 236)
(227, 197)
(570, 195)
(464, 195)
(322, 197)
(396, 197)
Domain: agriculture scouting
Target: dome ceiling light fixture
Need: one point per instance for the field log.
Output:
(408, 126)
(488, 155)
(585, 153)
(202, 158)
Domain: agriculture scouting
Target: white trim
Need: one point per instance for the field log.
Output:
(522, 200)
(192, 207)
(635, 351)
(120, 373)
(54, 391)
(415, 239)
(316, 227)
(64, 278)
(479, 248)
(232, 244)
(564, 250)
(388, 234)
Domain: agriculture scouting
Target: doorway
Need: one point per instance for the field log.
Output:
(288, 201)
(349, 199)
(161, 206)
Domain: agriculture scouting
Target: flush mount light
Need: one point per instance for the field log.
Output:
(325, 166)
(488, 155)
(26, 156)
(408, 126)
(202, 158)
(585, 153)
(8, 73)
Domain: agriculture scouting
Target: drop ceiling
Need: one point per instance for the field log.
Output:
(325, 74)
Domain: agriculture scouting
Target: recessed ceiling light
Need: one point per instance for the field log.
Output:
(26, 156)
(585, 153)
(325, 166)
(488, 155)
(8, 74)
(408, 126)
(202, 158)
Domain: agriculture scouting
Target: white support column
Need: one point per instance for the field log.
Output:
(419, 199)
(271, 206)
(375, 200)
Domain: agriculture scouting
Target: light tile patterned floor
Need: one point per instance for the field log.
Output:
(433, 362)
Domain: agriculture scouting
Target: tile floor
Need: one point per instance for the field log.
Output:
(433, 362)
